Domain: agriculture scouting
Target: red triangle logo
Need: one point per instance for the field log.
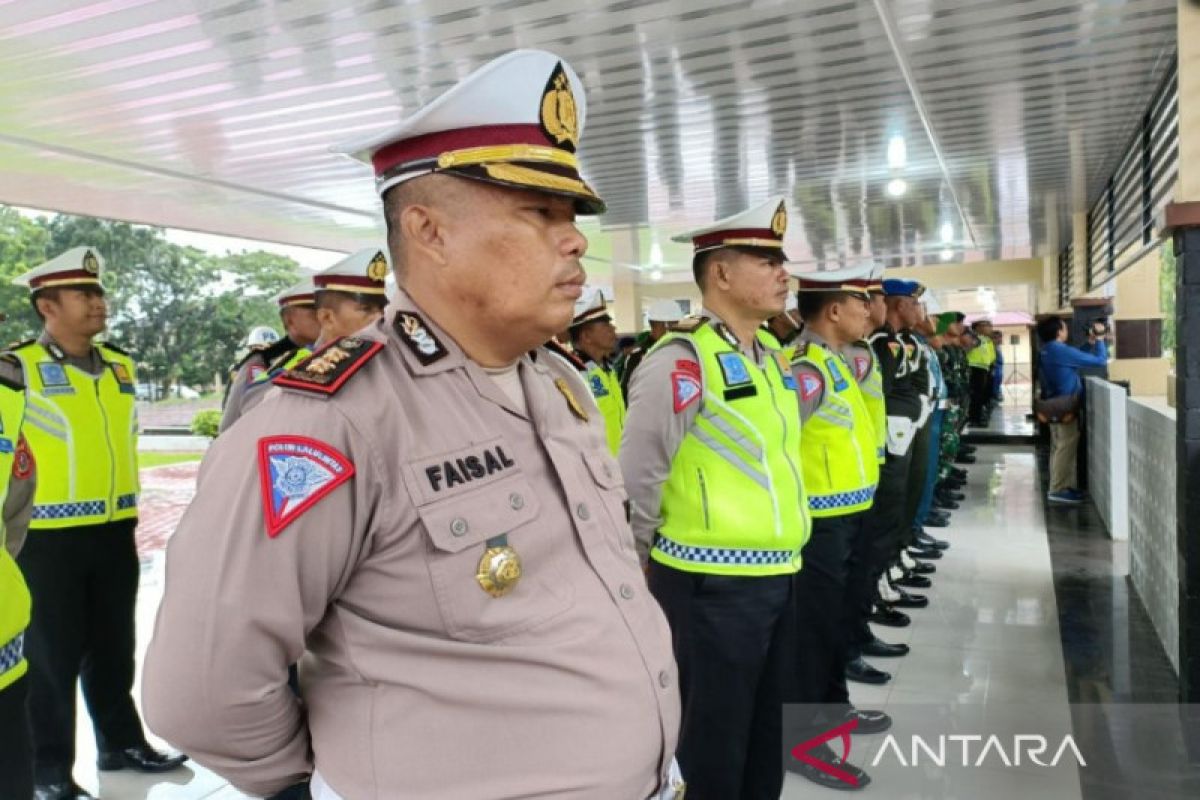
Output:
(295, 473)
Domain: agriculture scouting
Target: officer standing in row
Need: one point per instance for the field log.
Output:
(432, 525)
(711, 461)
(786, 327)
(17, 484)
(661, 316)
(350, 295)
(981, 358)
(593, 339)
(79, 558)
(839, 457)
(298, 312)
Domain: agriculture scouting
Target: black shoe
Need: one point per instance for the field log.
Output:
(950, 494)
(868, 721)
(924, 553)
(921, 568)
(913, 581)
(930, 543)
(851, 778)
(881, 649)
(959, 472)
(860, 671)
(889, 617)
(945, 505)
(909, 599)
(934, 521)
(64, 790)
(142, 758)
(964, 459)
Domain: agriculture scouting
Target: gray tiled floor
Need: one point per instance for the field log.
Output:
(988, 643)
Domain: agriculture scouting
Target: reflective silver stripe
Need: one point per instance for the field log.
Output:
(752, 449)
(835, 419)
(37, 423)
(730, 457)
(49, 415)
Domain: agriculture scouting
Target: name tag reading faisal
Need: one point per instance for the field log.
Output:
(295, 473)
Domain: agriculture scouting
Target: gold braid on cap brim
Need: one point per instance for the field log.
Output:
(751, 243)
(66, 282)
(507, 152)
(534, 178)
(346, 287)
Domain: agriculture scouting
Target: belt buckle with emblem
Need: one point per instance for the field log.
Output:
(499, 569)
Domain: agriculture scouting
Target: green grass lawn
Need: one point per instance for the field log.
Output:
(159, 459)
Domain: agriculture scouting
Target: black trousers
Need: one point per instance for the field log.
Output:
(883, 526)
(733, 641)
(16, 755)
(981, 394)
(917, 473)
(823, 613)
(84, 585)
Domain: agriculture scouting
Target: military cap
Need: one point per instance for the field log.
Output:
(362, 273)
(664, 311)
(895, 287)
(301, 294)
(516, 121)
(854, 280)
(590, 307)
(759, 229)
(79, 266)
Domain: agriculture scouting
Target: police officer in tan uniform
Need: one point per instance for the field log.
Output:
(298, 312)
(351, 294)
(425, 514)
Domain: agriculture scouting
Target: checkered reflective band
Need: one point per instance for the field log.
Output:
(12, 653)
(86, 508)
(720, 555)
(125, 501)
(826, 502)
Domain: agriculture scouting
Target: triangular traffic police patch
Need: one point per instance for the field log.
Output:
(295, 473)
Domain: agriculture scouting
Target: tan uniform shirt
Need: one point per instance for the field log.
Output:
(416, 682)
(654, 432)
(241, 386)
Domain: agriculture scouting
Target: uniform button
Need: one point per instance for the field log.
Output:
(664, 680)
(458, 526)
(516, 502)
(626, 591)
(582, 512)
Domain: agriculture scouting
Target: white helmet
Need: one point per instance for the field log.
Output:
(664, 311)
(261, 335)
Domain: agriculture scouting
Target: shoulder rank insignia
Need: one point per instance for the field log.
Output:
(413, 331)
(268, 352)
(12, 381)
(295, 473)
(326, 370)
(20, 344)
(114, 348)
(559, 350)
(689, 324)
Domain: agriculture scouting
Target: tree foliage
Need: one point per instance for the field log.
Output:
(181, 312)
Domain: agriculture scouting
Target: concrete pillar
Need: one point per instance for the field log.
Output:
(1079, 239)
(627, 291)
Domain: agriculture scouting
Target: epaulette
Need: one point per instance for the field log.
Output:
(572, 359)
(114, 348)
(267, 351)
(688, 324)
(5, 380)
(19, 345)
(328, 369)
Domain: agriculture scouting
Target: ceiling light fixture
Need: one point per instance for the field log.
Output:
(656, 274)
(897, 152)
(947, 254)
(947, 233)
(897, 187)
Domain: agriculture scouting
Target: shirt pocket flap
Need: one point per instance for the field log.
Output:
(605, 471)
(457, 523)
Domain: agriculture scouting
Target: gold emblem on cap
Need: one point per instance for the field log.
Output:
(779, 221)
(559, 116)
(499, 570)
(572, 403)
(91, 263)
(377, 269)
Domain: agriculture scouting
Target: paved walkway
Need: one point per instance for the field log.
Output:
(166, 492)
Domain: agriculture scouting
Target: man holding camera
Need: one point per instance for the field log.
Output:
(1059, 368)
